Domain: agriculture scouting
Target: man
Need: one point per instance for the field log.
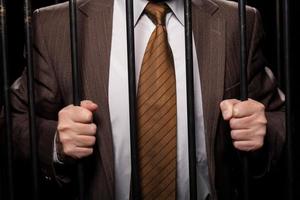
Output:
(97, 131)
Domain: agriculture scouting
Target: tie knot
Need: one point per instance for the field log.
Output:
(157, 12)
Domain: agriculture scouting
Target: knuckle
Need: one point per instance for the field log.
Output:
(261, 106)
(264, 120)
(62, 127)
(258, 106)
(88, 115)
(62, 113)
(66, 113)
(64, 139)
(226, 103)
(93, 128)
(223, 104)
(67, 150)
(65, 110)
(83, 102)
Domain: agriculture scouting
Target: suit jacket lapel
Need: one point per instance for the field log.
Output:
(96, 45)
(209, 33)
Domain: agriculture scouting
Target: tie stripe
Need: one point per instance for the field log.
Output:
(147, 126)
(165, 110)
(157, 62)
(157, 114)
(158, 92)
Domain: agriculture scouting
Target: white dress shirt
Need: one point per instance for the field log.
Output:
(119, 100)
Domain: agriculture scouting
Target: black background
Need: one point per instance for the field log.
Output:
(272, 187)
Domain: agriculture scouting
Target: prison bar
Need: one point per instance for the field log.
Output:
(135, 187)
(243, 85)
(190, 98)
(31, 103)
(132, 92)
(6, 96)
(288, 103)
(279, 40)
(76, 82)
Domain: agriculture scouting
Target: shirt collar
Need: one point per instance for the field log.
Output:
(176, 6)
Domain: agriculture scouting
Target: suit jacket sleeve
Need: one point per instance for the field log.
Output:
(263, 88)
(47, 104)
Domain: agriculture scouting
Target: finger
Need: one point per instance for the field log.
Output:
(87, 104)
(85, 129)
(226, 107)
(81, 115)
(242, 123)
(75, 114)
(68, 134)
(67, 139)
(85, 141)
(242, 145)
(248, 145)
(241, 135)
(247, 108)
(256, 121)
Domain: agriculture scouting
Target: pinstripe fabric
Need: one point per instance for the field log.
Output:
(157, 112)
(216, 43)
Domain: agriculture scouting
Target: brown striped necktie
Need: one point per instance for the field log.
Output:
(157, 117)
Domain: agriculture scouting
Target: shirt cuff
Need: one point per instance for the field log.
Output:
(56, 159)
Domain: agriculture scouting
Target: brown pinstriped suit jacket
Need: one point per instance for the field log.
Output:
(215, 27)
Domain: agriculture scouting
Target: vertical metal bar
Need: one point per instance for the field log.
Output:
(190, 98)
(7, 112)
(244, 84)
(76, 81)
(286, 49)
(278, 40)
(30, 86)
(135, 188)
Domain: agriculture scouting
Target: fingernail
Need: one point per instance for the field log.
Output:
(235, 111)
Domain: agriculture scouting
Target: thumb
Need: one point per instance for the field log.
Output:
(87, 104)
(226, 107)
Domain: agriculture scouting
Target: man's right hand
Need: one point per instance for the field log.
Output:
(76, 130)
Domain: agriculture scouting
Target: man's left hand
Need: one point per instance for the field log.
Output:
(247, 121)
